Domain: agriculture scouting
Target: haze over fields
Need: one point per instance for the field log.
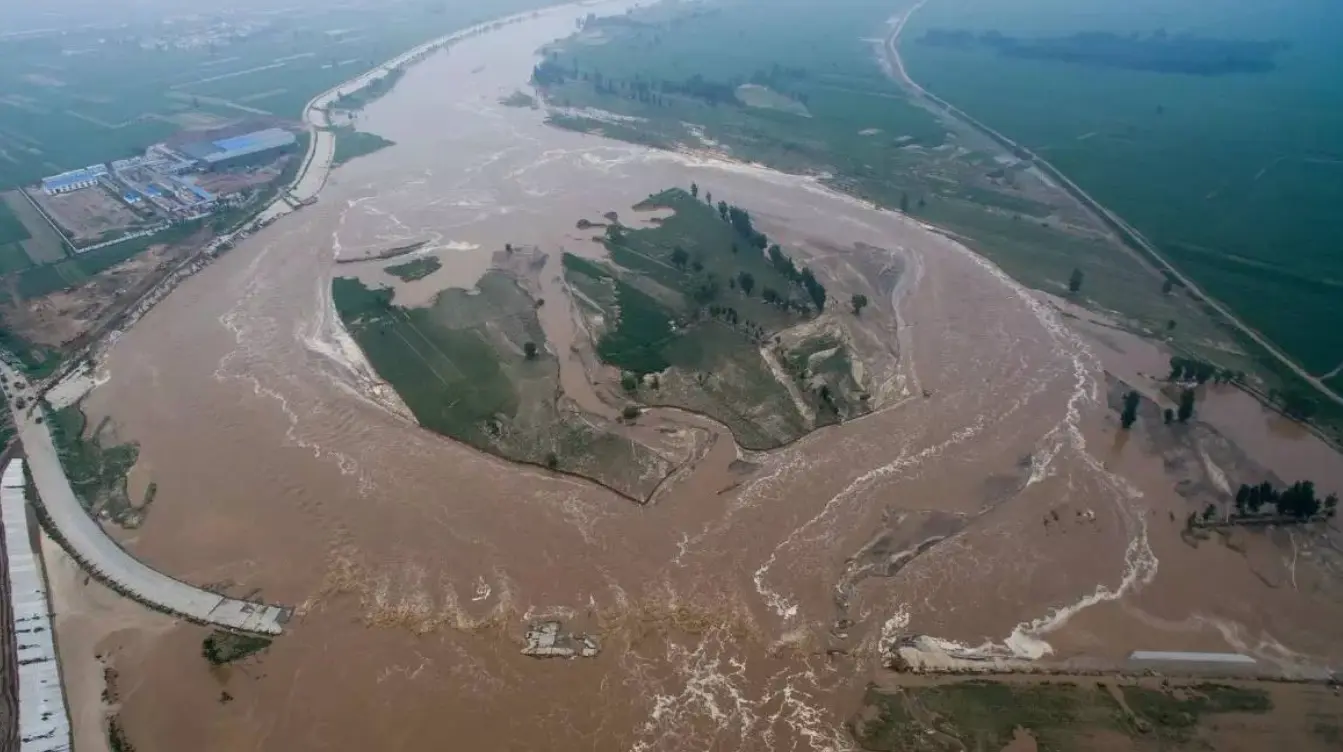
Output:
(714, 375)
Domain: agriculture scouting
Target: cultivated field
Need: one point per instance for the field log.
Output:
(38, 240)
(1236, 177)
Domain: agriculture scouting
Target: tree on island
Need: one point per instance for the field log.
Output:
(1075, 281)
(529, 350)
(629, 382)
(1130, 414)
(814, 288)
(746, 282)
(694, 191)
(1186, 406)
(859, 302)
(679, 257)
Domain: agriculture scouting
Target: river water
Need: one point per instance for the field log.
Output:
(415, 562)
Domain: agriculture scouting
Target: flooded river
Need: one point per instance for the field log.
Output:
(744, 609)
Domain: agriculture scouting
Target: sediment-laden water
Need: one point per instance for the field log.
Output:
(415, 562)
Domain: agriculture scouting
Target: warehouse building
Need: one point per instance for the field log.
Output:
(74, 180)
(240, 151)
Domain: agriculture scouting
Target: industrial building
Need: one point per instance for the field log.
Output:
(238, 151)
(75, 180)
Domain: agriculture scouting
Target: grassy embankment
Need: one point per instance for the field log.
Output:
(464, 367)
(830, 108)
(689, 333)
(1062, 715)
(413, 270)
(98, 470)
(351, 144)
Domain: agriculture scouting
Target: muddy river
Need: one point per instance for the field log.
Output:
(745, 608)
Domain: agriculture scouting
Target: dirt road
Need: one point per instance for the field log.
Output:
(1125, 233)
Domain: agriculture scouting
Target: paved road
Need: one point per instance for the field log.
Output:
(82, 536)
(42, 724)
(1107, 217)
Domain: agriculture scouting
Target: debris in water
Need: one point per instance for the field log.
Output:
(545, 640)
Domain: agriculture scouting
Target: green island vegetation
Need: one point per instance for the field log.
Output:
(413, 270)
(351, 144)
(518, 99)
(702, 312)
(469, 366)
(97, 467)
(222, 647)
(801, 89)
(1060, 715)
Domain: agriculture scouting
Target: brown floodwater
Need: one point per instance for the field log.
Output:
(416, 563)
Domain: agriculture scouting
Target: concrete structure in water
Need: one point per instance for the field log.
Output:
(86, 541)
(44, 721)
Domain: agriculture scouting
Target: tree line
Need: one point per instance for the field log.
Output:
(740, 219)
(1297, 501)
(1193, 369)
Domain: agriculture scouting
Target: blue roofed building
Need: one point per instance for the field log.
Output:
(239, 151)
(73, 180)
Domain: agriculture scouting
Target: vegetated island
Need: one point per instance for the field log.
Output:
(699, 312)
(473, 366)
(352, 144)
(1158, 52)
(417, 269)
(702, 312)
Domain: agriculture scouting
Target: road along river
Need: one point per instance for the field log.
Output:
(745, 609)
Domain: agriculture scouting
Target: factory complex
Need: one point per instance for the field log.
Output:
(185, 179)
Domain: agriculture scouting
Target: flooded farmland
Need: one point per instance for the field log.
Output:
(991, 504)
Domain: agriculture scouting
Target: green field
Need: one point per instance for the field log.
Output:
(85, 95)
(462, 365)
(1237, 178)
(12, 230)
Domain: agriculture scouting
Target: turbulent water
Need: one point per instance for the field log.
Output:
(415, 561)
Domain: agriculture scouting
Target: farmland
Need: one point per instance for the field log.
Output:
(1237, 193)
(95, 94)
